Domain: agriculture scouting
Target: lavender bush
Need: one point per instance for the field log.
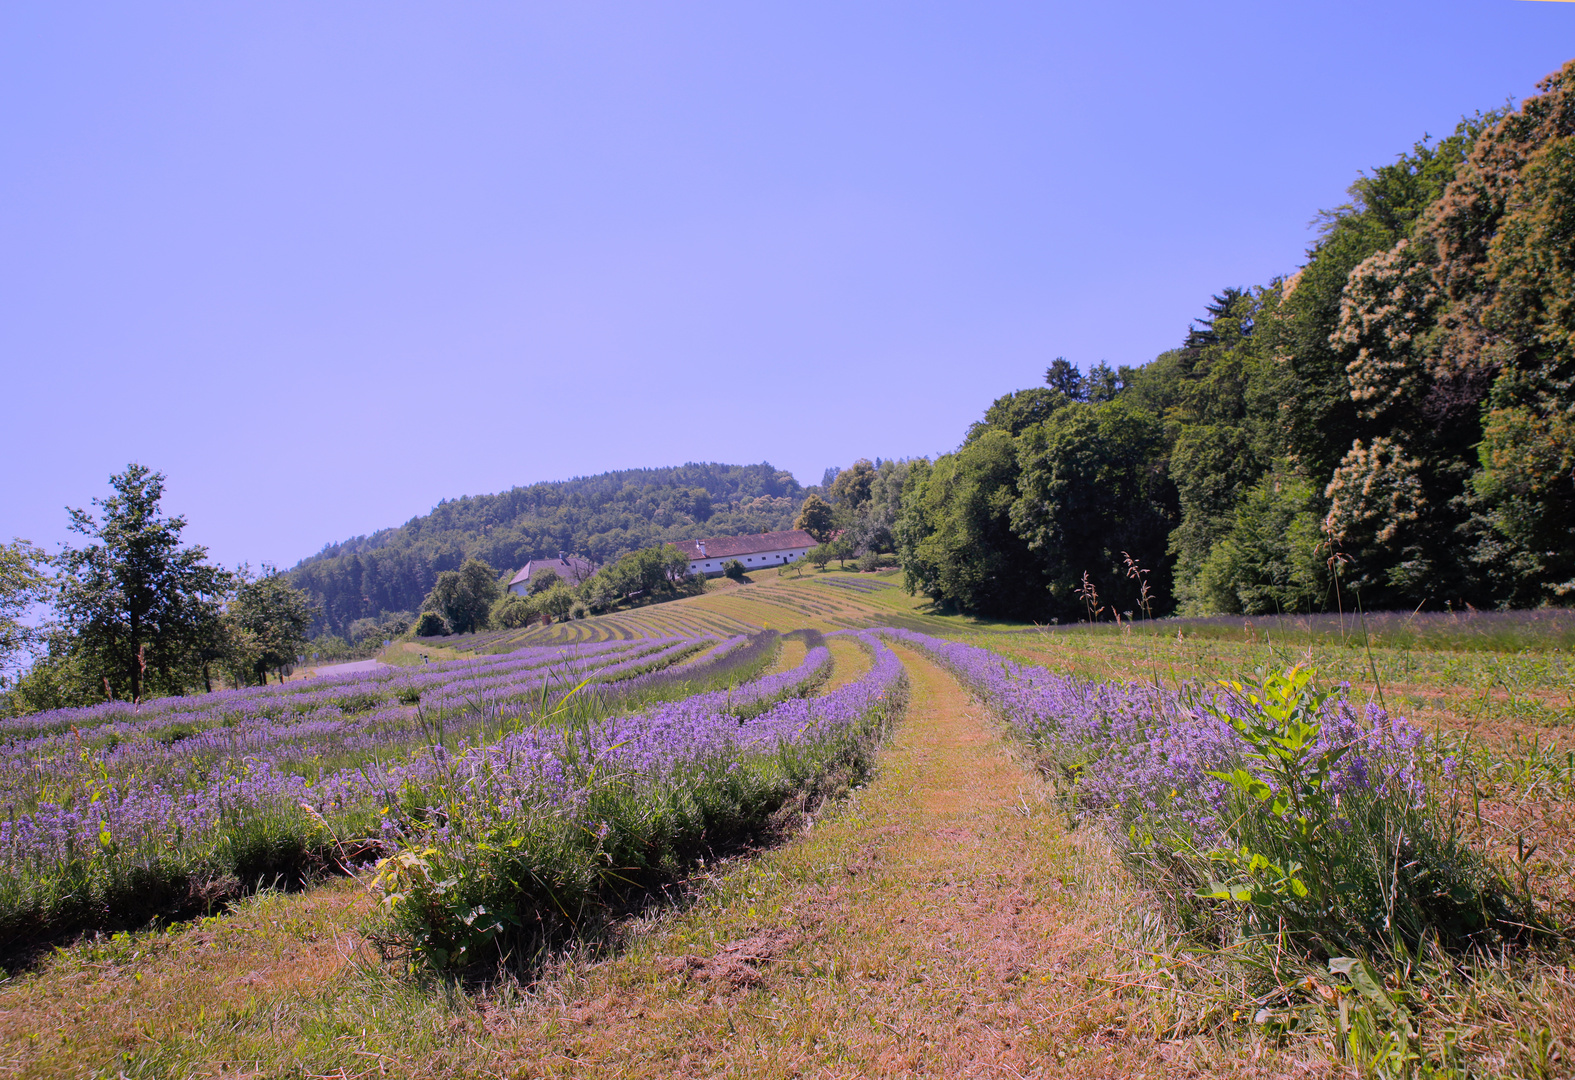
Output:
(513, 842)
(1264, 808)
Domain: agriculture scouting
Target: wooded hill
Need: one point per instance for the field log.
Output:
(1393, 422)
(600, 517)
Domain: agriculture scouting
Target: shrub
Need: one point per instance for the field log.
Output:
(1333, 839)
(579, 610)
(733, 569)
(512, 611)
(869, 562)
(557, 601)
(599, 594)
(431, 624)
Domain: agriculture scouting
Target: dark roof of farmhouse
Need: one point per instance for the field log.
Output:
(572, 570)
(728, 547)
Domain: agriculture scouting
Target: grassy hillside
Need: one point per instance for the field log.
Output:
(601, 517)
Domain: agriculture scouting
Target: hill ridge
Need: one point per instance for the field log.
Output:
(600, 516)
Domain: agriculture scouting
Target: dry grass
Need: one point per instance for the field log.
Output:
(790, 654)
(1492, 696)
(848, 662)
(107, 1003)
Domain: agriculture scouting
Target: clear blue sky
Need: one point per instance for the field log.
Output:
(327, 263)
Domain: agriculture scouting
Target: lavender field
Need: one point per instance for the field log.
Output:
(117, 814)
(1283, 832)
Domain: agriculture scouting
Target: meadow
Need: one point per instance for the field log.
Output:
(811, 826)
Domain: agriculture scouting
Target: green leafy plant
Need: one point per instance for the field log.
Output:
(1280, 726)
(1340, 860)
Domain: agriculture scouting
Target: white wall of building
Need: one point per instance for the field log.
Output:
(760, 560)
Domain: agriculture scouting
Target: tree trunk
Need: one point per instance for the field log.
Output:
(135, 666)
(207, 680)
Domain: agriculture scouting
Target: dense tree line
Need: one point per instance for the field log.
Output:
(855, 511)
(135, 614)
(600, 517)
(1393, 424)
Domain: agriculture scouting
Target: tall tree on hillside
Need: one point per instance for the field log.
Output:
(816, 517)
(464, 597)
(1526, 474)
(134, 600)
(1093, 487)
(851, 488)
(1063, 377)
(1221, 442)
(1433, 341)
(955, 534)
(873, 525)
(1316, 413)
(1013, 412)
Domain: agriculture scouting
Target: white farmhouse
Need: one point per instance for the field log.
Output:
(755, 552)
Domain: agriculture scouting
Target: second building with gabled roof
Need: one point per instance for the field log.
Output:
(756, 551)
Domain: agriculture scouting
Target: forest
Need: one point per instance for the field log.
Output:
(1390, 426)
(600, 517)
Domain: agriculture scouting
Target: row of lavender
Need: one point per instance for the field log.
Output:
(502, 847)
(353, 691)
(1267, 808)
(333, 727)
(107, 830)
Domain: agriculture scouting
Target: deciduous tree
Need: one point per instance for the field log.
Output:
(815, 517)
(272, 618)
(955, 536)
(135, 600)
(1091, 487)
(464, 597)
(851, 488)
(22, 584)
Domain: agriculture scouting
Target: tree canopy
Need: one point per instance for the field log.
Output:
(271, 617)
(815, 517)
(135, 601)
(464, 597)
(23, 583)
(1394, 419)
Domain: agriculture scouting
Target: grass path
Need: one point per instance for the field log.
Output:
(941, 922)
